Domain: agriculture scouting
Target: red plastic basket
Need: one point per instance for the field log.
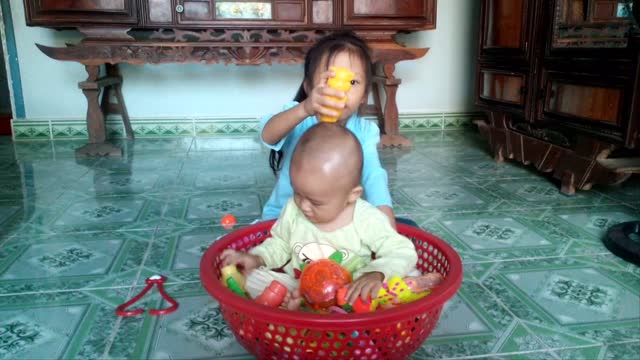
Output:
(270, 333)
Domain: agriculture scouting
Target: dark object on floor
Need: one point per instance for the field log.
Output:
(624, 241)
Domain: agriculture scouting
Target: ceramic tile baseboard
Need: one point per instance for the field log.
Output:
(204, 127)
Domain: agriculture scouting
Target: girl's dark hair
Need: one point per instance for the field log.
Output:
(327, 48)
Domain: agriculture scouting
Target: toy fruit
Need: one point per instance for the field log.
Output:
(319, 282)
(342, 82)
(273, 295)
(228, 221)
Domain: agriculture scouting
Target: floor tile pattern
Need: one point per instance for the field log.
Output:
(78, 237)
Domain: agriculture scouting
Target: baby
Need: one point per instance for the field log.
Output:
(327, 215)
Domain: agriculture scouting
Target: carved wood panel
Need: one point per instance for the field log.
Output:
(83, 5)
(407, 8)
(290, 11)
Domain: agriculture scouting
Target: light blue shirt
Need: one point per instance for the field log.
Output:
(374, 177)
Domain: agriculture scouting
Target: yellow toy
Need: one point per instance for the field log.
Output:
(394, 292)
(342, 82)
(232, 279)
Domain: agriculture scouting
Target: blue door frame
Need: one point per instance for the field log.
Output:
(12, 61)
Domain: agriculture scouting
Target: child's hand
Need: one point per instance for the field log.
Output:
(318, 101)
(367, 285)
(247, 261)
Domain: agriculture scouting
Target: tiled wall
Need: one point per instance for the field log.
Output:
(154, 128)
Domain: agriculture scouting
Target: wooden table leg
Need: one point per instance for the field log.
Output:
(391, 129)
(119, 108)
(95, 118)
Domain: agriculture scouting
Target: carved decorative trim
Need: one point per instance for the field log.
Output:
(99, 33)
(548, 135)
(245, 47)
(242, 36)
(158, 54)
(577, 169)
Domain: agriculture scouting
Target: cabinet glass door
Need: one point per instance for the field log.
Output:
(592, 23)
(504, 27)
(584, 101)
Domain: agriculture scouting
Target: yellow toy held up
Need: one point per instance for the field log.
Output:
(342, 82)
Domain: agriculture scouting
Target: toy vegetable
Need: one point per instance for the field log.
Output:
(273, 295)
(342, 82)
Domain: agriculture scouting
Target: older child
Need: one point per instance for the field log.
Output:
(282, 131)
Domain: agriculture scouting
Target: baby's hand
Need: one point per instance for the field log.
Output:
(318, 101)
(366, 286)
(247, 261)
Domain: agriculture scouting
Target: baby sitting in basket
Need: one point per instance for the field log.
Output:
(327, 216)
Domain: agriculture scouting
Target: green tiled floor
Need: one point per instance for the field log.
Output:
(77, 238)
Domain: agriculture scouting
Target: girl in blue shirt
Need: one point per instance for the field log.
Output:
(282, 131)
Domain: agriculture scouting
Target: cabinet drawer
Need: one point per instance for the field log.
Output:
(229, 12)
(73, 12)
(504, 87)
(159, 11)
(409, 14)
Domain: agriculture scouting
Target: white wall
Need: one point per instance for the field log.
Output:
(442, 81)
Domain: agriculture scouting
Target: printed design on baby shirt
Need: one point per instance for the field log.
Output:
(308, 252)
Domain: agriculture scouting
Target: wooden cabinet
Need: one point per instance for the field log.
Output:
(561, 77)
(222, 14)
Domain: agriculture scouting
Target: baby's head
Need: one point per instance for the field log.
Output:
(326, 169)
(345, 50)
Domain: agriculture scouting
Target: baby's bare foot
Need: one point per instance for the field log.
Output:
(292, 301)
